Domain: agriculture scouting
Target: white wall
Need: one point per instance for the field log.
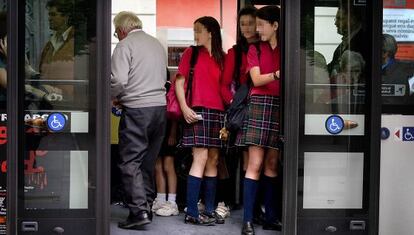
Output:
(326, 36)
(145, 10)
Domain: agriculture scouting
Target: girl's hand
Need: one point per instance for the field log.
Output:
(277, 74)
(3, 46)
(189, 115)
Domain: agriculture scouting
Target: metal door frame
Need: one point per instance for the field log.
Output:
(15, 126)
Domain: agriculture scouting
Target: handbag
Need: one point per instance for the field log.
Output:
(173, 106)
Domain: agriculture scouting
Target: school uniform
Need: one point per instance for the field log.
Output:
(205, 100)
(228, 84)
(261, 128)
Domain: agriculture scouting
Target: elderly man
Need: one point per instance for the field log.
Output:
(137, 87)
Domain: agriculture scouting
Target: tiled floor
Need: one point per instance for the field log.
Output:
(175, 225)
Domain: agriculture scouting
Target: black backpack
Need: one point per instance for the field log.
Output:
(237, 111)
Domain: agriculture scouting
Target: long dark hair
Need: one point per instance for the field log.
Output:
(241, 40)
(271, 14)
(213, 27)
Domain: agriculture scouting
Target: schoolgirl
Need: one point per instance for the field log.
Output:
(203, 114)
(234, 75)
(261, 130)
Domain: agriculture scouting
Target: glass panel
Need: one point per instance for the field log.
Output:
(397, 132)
(333, 170)
(398, 53)
(3, 115)
(59, 110)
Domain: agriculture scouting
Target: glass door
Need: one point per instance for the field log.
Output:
(333, 194)
(59, 131)
(397, 132)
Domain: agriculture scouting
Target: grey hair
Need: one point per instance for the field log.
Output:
(127, 21)
(353, 56)
(389, 44)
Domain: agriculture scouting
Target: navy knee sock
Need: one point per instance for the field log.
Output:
(193, 191)
(270, 199)
(249, 197)
(210, 185)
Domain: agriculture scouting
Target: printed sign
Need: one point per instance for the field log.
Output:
(408, 134)
(56, 122)
(334, 124)
(393, 90)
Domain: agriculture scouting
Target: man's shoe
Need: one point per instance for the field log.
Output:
(214, 215)
(277, 225)
(201, 220)
(248, 229)
(135, 221)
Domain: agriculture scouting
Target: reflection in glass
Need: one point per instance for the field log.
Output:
(60, 38)
(336, 86)
(398, 53)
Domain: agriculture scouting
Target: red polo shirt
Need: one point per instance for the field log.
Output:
(269, 62)
(228, 73)
(206, 81)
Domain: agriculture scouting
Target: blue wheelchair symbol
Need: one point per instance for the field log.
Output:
(334, 124)
(408, 134)
(56, 121)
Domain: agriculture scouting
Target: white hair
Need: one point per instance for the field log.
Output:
(127, 21)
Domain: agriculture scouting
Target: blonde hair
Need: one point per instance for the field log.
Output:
(127, 21)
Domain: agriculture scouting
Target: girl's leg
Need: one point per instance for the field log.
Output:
(270, 183)
(160, 184)
(210, 180)
(254, 166)
(169, 170)
(195, 176)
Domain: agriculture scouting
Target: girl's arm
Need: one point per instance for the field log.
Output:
(189, 115)
(259, 79)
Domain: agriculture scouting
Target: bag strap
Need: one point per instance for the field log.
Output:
(193, 61)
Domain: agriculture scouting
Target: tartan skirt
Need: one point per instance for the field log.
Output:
(261, 127)
(204, 133)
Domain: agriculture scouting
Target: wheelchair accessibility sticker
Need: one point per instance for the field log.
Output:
(404, 134)
(56, 121)
(334, 124)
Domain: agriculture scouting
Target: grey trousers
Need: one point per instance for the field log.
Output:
(141, 133)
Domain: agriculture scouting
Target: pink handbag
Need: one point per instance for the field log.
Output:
(173, 107)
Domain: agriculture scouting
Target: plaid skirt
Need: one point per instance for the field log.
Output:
(204, 133)
(261, 127)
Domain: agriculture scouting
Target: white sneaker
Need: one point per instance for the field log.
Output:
(200, 207)
(168, 209)
(223, 210)
(156, 205)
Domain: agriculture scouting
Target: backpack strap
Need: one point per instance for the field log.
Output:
(193, 61)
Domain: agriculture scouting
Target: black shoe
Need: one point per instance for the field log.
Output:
(218, 218)
(135, 221)
(277, 225)
(201, 220)
(248, 229)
